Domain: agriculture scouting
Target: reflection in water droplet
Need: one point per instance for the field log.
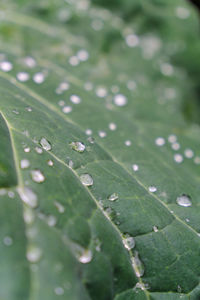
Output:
(113, 197)
(38, 78)
(37, 176)
(34, 254)
(85, 257)
(77, 146)
(129, 242)
(184, 200)
(86, 179)
(137, 265)
(28, 196)
(152, 189)
(24, 163)
(45, 144)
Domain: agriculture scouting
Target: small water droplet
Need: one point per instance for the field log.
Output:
(23, 76)
(24, 163)
(88, 131)
(172, 138)
(85, 257)
(152, 189)
(188, 153)
(112, 126)
(34, 254)
(91, 140)
(11, 194)
(155, 228)
(37, 176)
(75, 99)
(28, 196)
(45, 144)
(51, 220)
(38, 78)
(102, 134)
(59, 290)
(29, 109)
(120, 100)
(113, 197)
(59, 207)
(86, 179)
(101, 92)
(6, 66)
(27, 149)
(184, 200)
(30, 61)
(50, 162)
(128, 143)
(15, 111)
(137, 265)
(67, 109)
(38, 150)
(8, 241)
(129, 242)
(78, 146)
(82, 55)
(178, 158)
(135, 167)
(160, 141)
(132, 40)
(176, 146)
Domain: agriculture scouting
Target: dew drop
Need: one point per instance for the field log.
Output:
(24, 163)
(67, 109)
(132, 40)
(112, 126)
(184, 200)
(113, 197)
(178, 158)
(91, 140)
(51, 220)
(38, 150)
(152, 189)
(73, 61)
(102, 134)
(75, 99)
(135, 167)
(8, 241)
(23, 76)
(37, 176)
(182, 12)
(50, 163)
(85, 257)
(120, 100)
(45, 144)
(155, 228)
(160, 141)
(11, 194)
(101, 92)
(82, 55)
(176, 146)
(88, 131)
(86, 179)
(78, 146)
(188, 153)
(166, 69)
(128, 143)
(129, 242)
(137, 265)
(172, 138)
(34, 254)
(59, 207)
(28, 196)
(59, 290)
(6, 66)
(38, 78)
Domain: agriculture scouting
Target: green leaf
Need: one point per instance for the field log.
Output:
(99, 167)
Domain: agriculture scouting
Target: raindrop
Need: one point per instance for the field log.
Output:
(166, 69)
(129, 242)
(113, 197)
(45, 144)
(67, 109)
(15, 111)
(22, 76)
(172, 138)
(37, 176)
(197, 160)
(152, 189)
(137, 265)
(75, 99)
(27, 149)
(38, 150)
(135, 167)
(160, 141)
(29, 109)
(34, 254)
(28, 196)
(178, 158)
(88, 131)
(184, 200)
(6, 66)
(128, 143)
(77, 146)
(112, 126)
(102, 134)
(85, 257)
(8, 241)
(24, 163)
(59, 207)
(101, 92)
(86, 179)
(73, 60)
(38, 78)
(175, 146)
(120, 100)
(59, 290)
(50, 163)
(132, 40)
(188, 153)
(155, 228)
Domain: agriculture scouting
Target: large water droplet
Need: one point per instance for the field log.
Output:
(184, 200)
(24, 163)
(45, 144)
(78, 146)
(129, 242)
(28, 196)
(37, 176)
(34, 254)
(113, 197)
(120, 100)
(85, 257)
(23, 76)
(6, 66)
(137, 265)
(86, 179)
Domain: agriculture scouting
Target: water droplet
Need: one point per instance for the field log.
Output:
(135, 167)
(15, 111)
(155, 228)
(178, 158)
(166, 69)
(29, 109)
(152, 189)
(128, 143)
(59, 290)
(132, 40)
(28, 196)
(113, 197)
(112, 126)
(82, 55)
(6, 66)
(24, 163)
(172, 138)
(182, 12)
(102, 134)
(37, 176)
(184, 200)
(75, 99)
(51, 220)
(78, 146)
(91, 140)
(67, 109)
(86, 179)
(63, 86)
(38, 78)
(120, 100)
(85, 257)
(38, 150)
(8, 241)
(30, 61)
(50, 163)
(59, 207)
(11, 194)
(88, 131)
(129, 242)
(101, 92)
(34, 254)
(137, 265)
(23, 76)
(28, 215)
(45, 144)
(188, 153)
(74, 61)
(160, 141)
(197, 160)
(176, 146)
